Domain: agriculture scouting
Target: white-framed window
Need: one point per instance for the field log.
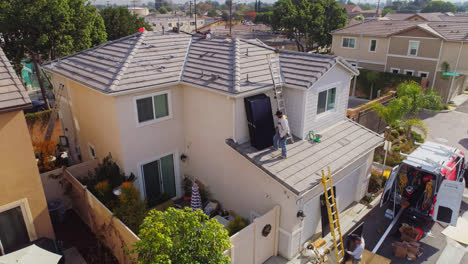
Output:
(423, 74)
(153, 107)
(92, 151)
(409, 72)
(373, 45)
(192, 23)
(413, 48)
(159, 177)
(326, 100)
(349, 43)
(395, 70)
(21, 231)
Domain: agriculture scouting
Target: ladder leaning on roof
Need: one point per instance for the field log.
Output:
(277, 78)
(54, 113)
(333, 218)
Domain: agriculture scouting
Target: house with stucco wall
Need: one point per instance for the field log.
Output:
(24, 216)
(172, 105)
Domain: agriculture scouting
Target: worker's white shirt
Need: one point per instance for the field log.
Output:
(357, 252)
(283, 126)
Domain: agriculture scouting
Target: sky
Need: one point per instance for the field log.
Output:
(128, 2)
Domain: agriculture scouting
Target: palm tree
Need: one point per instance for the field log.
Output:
(392, 114)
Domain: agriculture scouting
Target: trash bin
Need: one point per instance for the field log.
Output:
(56, 210)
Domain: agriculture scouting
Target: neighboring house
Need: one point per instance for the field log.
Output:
(171, 105)
(24, 216)
(417, 48)
(169, 21)
(354, 10)
(140, 11)
(436, 16)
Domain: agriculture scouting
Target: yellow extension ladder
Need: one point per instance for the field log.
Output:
(333, 218)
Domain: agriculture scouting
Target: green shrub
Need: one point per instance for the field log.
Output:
(236, 225)
(385, 81)
(375, 183)
(377, 158)
(392, 138)
(395, 133)
(417, 137)
(401, 130)
(404, 140)
(396, 148)
(42, 117)
(131, 209)
(394, 159)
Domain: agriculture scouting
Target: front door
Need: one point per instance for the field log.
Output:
(13, 232)
(159, 178)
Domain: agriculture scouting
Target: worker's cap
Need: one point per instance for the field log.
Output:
(278, 113)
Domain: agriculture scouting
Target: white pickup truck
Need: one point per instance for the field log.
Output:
(431, 180)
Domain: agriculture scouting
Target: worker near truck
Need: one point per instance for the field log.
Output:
(358, 250)
(281, 133)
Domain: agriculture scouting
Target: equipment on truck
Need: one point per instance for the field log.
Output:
(431, 180)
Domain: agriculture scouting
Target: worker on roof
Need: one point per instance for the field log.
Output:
(281, 132)
(358, 250)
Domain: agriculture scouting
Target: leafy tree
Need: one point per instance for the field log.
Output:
(439, 6)
(120, 22)
(264, 18)
(46, 29)
(130, 209)
(181, 236)
(203, 8)
(212, 13)
(162, 10)
(225, 15)
(250, 15)
(388, 10)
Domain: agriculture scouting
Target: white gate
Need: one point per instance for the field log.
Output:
(258, 241)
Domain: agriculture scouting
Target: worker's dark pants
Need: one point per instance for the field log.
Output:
(356, 261)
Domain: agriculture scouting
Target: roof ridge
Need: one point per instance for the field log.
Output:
(186, 58)
(237, 68)
(118, 75)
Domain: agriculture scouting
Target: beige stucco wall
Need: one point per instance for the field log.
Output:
(365, 55)
(95, 119)
(19, 172)
(415, 65)
(142, 144)
(450, 52)
(428, 48)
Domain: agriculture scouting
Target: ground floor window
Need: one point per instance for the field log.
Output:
(13, 231)
(159, 178)
(423, 74)
(409, 72)
(395, 70)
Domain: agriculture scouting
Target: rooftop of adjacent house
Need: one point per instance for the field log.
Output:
(340, 145)
(13, 95)
(451, 31)
(436, 16)
(151, 59)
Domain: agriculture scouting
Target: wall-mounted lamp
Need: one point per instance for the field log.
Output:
(300, 214)
(183, 157)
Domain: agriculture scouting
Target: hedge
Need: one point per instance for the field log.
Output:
(42, 117)
(385, 81)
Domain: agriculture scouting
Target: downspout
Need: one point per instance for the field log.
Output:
(455, 70)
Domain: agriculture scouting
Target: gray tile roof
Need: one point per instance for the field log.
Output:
(436, 16)
(452, 31)
(13, 95)
(340, 145)
(150, 59)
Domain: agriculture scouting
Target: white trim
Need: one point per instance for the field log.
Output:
(178, 180)
(405, 71)
(89, 150)
(152, 95)
(427, 73)
(414, 37)
(289, 237)
(27, 216)
(386, 54)
(304, 104)
(365, 61)
(370, 45)
(391, 70)
(412, 57)
(409, 48)
(342, 39)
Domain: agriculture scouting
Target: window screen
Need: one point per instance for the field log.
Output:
(413, 50)
(373, 45)
(145, 109)
(161, 105)
(331, 99)
(322, 102)
(168, 175)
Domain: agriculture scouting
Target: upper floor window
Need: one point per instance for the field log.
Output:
(349, 43)
(413, 48)
(153, 107)
(373, 45)
(326, 100)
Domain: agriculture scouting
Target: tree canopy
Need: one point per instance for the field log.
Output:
(439, 6)
(162, 10)
(120, 22)
(308, 22)
(182, 236)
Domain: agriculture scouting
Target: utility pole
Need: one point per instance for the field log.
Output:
(195, 7)
(377, 11)
(191, 14)
(230, 17)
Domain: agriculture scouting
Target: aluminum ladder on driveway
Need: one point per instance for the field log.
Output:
(54, 113)
(277, 78)
(333, 217)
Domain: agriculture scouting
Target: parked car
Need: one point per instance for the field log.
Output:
(431, 180)
(37, 106)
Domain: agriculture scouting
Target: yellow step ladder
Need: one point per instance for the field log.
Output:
(333, 218)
